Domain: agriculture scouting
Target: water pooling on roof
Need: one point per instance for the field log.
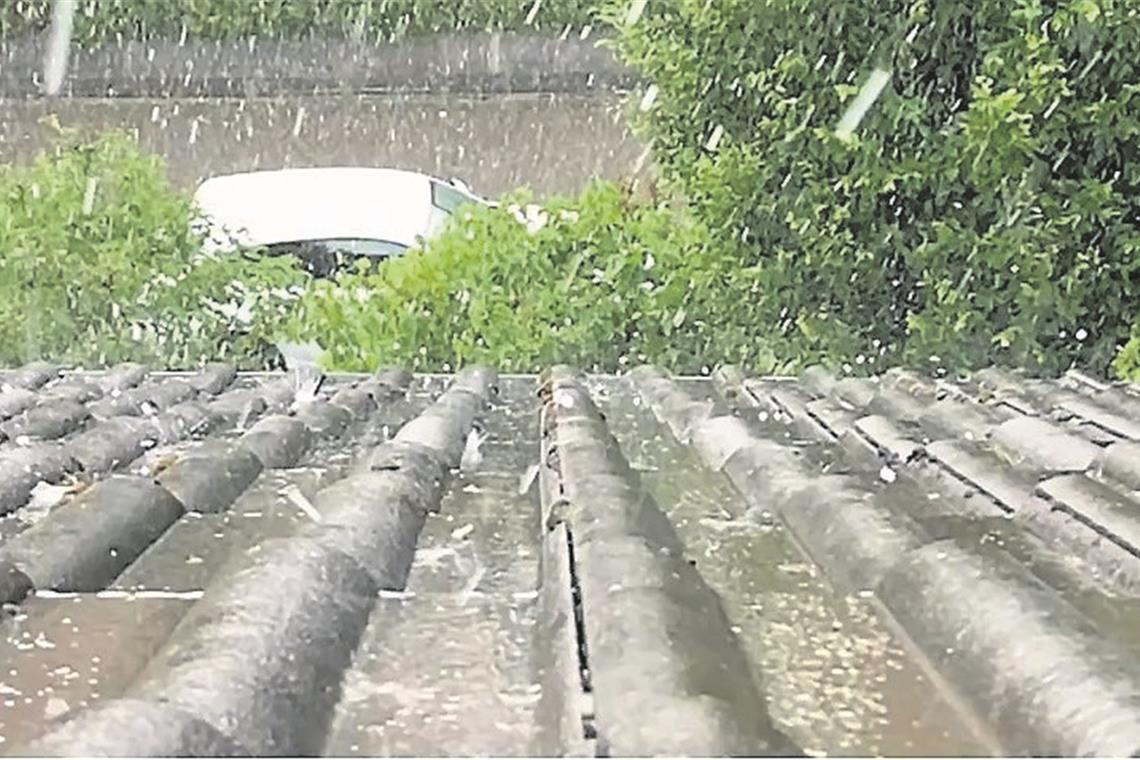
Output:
(203, 564)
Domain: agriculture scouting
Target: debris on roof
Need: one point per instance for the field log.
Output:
(208, 564)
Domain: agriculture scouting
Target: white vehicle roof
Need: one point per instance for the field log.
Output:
(292, 205)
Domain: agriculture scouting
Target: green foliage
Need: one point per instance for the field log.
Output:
(598, 281)
(985, 210)
(98, 264)
(1127, 363)
(99, 21)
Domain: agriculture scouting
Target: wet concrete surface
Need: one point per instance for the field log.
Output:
(447, 668)
(551, 143)
(190, 553)
(69, 653)
(838, 681)
(490, 543)
(485, 538)
(458, 660)
(441, 675)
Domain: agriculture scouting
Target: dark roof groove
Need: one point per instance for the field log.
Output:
(630, 565)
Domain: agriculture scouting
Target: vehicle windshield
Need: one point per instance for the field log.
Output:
(447, 198)
(323, 258)
(445, 201)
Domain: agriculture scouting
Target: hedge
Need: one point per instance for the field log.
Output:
(99, 264)
(986, 208)
(1127, 364)
(99, 21)
(600, 281)
(983, 211)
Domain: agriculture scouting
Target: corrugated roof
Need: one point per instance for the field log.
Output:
(200, 564)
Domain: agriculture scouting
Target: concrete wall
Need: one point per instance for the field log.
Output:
(554, 143)
(466, 63)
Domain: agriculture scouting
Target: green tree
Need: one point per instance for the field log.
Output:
(99, 263)
(985, 208)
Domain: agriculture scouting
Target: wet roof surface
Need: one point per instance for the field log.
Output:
(199, 564)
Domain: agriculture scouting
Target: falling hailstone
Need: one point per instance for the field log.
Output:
(533, 12)
(472, 453)
(294, 494)
(714, 139)
(872, 88)
(887, 475)
(59, 46)
(472, 583)
(299, 123)
(46, 495)
(55, 707)
(305, 375)
(635, 11)
(649, 98)
(89, 195)
(527, 479)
